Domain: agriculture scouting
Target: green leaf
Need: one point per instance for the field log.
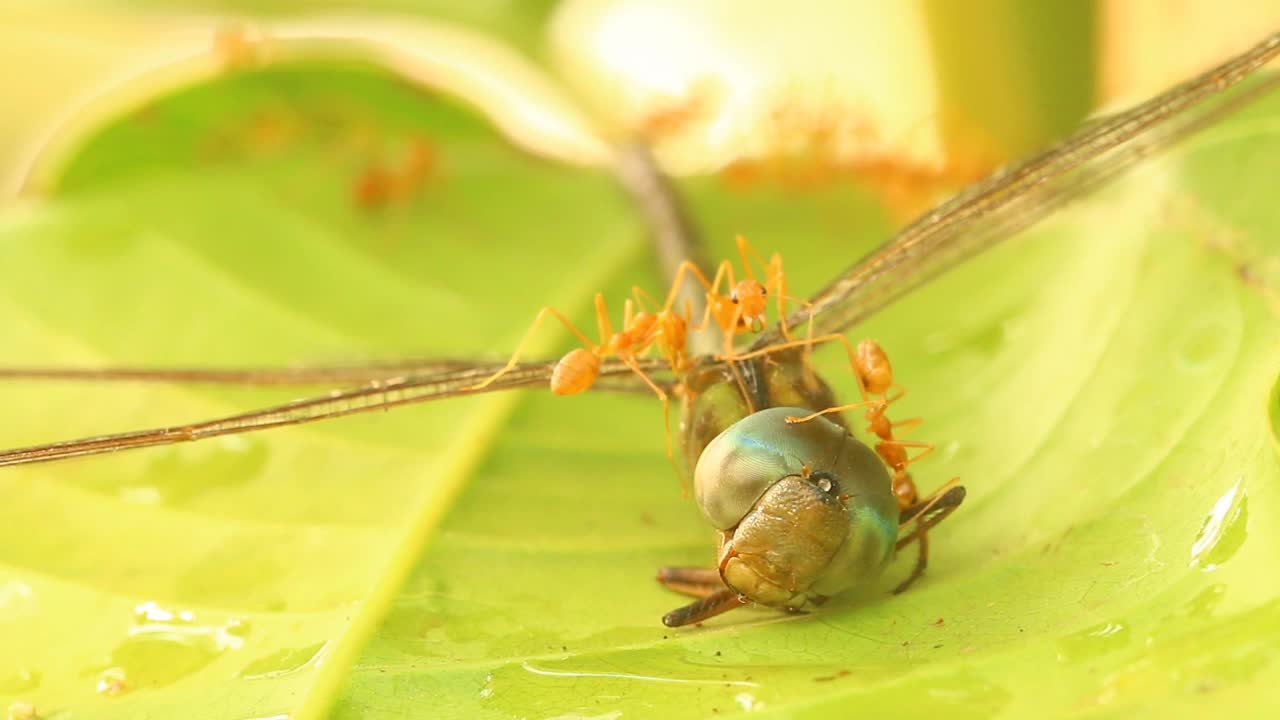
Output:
(1105, 388)
(1101, 387)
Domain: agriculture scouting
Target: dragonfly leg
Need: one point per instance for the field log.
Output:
(917, 570)
(699, 582)
(708, 607)
(926, 514)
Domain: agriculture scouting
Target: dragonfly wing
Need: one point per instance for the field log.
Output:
(381, 394)
(300, 375)
(328, 375)
(1013, 198)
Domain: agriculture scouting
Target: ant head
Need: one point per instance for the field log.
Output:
(752, 296)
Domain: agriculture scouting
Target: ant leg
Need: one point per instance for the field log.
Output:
(780, 279)
(794, 420)
(724, 273)
(696, 581)
(745, 253)
(687, 267)
(643, 300)
(902, 392)
(704, 609)
(907, 425)
(732, 360)
(528, 337)
(628, 315)
(666, 415)
(603, 326)
(808, 341)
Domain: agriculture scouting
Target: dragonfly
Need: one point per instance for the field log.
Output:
(975, 219)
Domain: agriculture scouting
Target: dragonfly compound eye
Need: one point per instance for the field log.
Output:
(788, 538)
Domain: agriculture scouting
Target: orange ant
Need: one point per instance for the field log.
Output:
(372, 189)
(641, 330)
(744, 309)
(671, 116)
(379, 185)
(236, 46)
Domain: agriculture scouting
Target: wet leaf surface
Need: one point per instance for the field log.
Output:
(1104, 387)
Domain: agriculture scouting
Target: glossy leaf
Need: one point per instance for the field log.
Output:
(1104, 388)
(1100, 387)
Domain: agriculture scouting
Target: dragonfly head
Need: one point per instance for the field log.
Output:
(805, 510)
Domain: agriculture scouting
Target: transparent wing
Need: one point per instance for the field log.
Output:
(378, 394)
(1014, 198)
(327, 375)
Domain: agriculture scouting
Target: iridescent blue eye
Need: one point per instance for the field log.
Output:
(789, 540)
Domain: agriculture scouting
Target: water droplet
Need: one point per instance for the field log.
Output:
(237, 628)
(113, 682)
(165, 646)
(1182, 657)
(150, 612)
(1093, 642)
(23, 680)
(22, 711)
(17, 600)
(748, 702)
(283, 662)
(1224, 529)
